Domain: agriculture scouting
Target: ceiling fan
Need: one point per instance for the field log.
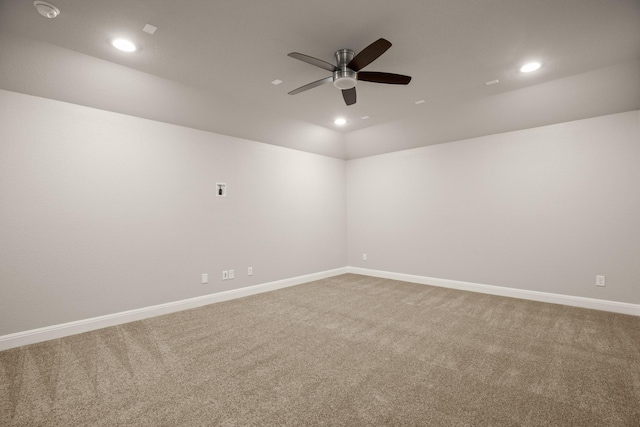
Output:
(347, 71)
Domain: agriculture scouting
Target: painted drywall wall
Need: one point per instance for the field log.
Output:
(544, 209)
(102, 212)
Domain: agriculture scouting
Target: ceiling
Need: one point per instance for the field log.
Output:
(210, 64)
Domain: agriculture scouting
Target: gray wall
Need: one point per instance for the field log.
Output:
(102, 212)
(544, 209)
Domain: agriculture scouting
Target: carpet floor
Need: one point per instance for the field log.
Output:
(349, 350)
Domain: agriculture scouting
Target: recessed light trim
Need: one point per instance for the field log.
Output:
(530, 66)
(340, 121)
(46, 9)
(492, 82)
(124, 45)
(365, 117)
(276, 82)
(421, 101)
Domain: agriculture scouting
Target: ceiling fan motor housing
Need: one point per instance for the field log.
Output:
(344, 77)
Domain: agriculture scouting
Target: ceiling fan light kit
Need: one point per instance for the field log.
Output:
(346, 72)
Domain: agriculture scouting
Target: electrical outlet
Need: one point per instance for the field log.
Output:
(364, 257)
(232, 274)
(250, 271)
(600, 281)
(205, 278)
(225, 275)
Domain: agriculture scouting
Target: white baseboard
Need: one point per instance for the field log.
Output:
(58, 331)
(62, 330)
(592, 303)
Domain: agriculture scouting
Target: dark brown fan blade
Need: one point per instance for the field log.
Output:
(349, 96)
(389, 78)
(369, 54)
(312, 85)
(313, 61)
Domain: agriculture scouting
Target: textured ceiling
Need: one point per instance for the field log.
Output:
(210, 64)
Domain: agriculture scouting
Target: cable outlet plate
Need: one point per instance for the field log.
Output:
(221, 189)
(600, 281)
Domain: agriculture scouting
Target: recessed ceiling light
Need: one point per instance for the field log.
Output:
(365, 117)
(529, 67)
(422, 101)
(46, 9)
(124, 45)
(492, 82)
(340, 121)
(150, 29)
(276, 82)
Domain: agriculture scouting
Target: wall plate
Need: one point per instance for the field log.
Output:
(221, 189)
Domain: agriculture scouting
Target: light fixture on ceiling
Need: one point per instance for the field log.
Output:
(124, 45)
(421, 101)
(46, 9)
(340, 121)
(365, 117)
(529, 67)
(276, 82)
(348, 70)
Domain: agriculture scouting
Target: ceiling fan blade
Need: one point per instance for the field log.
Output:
(312, 85)
(389, 78)
(369, 54)
(313, 61)
(349, 96)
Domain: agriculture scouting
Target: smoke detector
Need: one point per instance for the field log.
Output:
(46, 9)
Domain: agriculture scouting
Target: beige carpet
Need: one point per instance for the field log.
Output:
(350, 350)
